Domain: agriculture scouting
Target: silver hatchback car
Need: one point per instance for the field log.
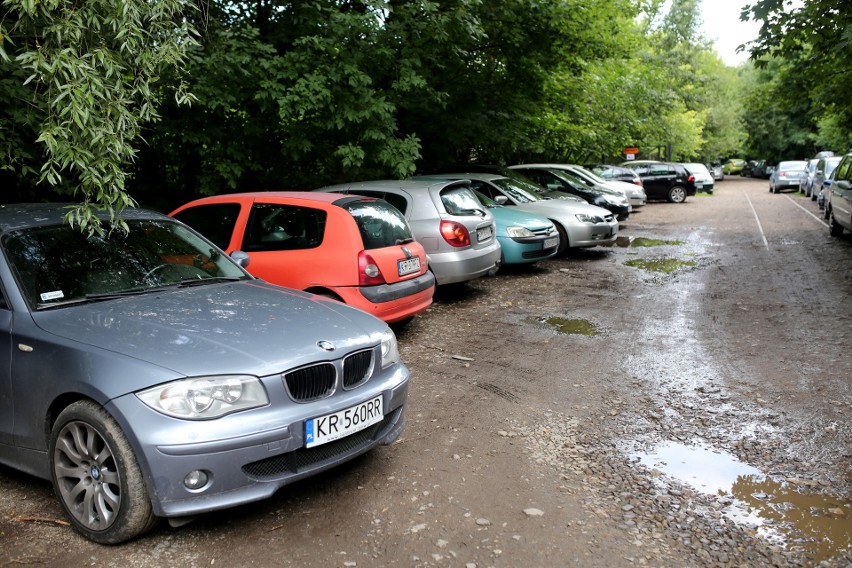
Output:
(147, 374)
(457, 231)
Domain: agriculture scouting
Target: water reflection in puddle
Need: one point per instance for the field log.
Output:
(779, 510)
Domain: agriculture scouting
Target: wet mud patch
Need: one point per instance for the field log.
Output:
(785, 511)
(566, 326)
(638, 242)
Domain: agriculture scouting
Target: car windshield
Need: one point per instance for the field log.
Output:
(583, 172)
(58, 265)
(830, 164)
(381, 225)
(516, 190)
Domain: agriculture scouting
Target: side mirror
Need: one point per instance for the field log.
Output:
(844, 184)
(240, 258)
(501, 200)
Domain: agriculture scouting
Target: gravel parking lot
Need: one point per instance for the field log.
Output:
(680, 399)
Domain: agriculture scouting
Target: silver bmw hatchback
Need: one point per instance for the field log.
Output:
(148, 375)
(457, 231)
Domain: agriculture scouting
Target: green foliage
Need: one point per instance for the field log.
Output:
(91, 70)
(803, 50)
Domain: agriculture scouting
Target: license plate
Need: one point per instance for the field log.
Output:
(483, 234)
(339, 424)
(551, 242)
(409, 265)
(699, 186)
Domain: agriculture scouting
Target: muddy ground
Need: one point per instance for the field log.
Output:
(701, 419)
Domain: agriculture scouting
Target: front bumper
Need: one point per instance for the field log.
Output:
(249, 455)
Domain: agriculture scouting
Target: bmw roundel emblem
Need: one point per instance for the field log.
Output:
(326, 345)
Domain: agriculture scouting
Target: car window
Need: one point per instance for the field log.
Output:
(215, 221)
(829, 166)
(380, 224)
(516, 190)
(58, 264)
(460, 200)
(843, 169)
(272, 227)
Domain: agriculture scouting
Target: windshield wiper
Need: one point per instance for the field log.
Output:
(202, 281)
(404, 241)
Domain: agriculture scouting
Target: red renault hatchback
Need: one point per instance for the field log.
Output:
(358, 250)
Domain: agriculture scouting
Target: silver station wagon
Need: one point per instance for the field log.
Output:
(147, 374)
(457, 231)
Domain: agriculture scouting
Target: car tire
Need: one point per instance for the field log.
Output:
(677, 194)
(825, 212)
(563, 240)
(96, 475)
(834, 228)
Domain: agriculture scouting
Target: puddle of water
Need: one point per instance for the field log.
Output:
(571, 326)
(819, 526)
(660, 264)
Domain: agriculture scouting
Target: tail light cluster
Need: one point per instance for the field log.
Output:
(690, 179)
(369, 273)
(455, 234)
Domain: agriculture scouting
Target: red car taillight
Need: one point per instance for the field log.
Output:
(638, 182)
(455, 233)
(690, 179)
(369, 273)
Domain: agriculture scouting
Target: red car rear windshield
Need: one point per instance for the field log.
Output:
(380, 223)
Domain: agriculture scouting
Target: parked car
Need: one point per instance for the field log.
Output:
(716, 171)
(733, 166)
(703, 178)
(148, 375)
(806, 184)
(634, 193)
(787, 175)
(749, 167)
(822, 178)
(359, 251)
(666, 180)
(456, 230)
(566, 182)
(838, 203)
(618, 173)
(579, 224)
(524, 237)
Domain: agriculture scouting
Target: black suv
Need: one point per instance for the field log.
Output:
(665, 180)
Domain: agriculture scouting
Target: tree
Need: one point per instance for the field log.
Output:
(82, 76)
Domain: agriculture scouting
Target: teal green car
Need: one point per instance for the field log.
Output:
(524, 238)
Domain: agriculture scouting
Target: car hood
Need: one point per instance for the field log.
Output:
(552, 208)
(507, 216)
(248, 327)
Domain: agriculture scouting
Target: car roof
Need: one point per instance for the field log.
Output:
(24, 215)
(465, 175)
(272, 196)
(409, 185)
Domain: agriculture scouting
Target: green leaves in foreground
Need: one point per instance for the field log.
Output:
(92, 69)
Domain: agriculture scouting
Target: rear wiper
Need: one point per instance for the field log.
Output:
(404, 241)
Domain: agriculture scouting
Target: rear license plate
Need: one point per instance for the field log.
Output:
(339, 424)
(483, 234)
(550, 243)
(409, 265)
(699, 186)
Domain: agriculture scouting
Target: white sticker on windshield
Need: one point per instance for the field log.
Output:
(47, 296)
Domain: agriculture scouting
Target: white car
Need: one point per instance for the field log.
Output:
(578, 223)
(634, 194)
(703, 178)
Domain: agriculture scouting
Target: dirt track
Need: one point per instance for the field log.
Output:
(526, 446)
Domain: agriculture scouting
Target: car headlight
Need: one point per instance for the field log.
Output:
(202, 398)
(390, 351)
(583, 218)
(519, 232)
